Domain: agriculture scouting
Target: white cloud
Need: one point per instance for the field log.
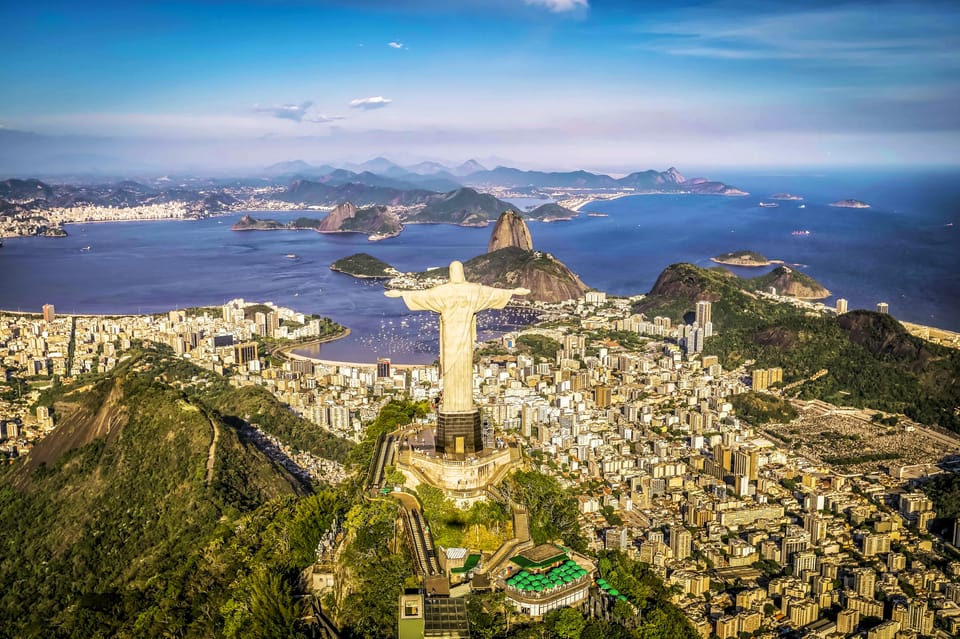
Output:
(395, 44)
(375, 102)
(559, 6)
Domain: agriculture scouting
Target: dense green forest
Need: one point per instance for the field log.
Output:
(540, 347)
(944, 491)
(553, 512)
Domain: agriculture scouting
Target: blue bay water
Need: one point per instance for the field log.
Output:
(903, 251)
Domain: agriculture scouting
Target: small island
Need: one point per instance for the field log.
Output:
(790, 197)
(250, 223)
(364, 266)
(850, 204)
(742, 258)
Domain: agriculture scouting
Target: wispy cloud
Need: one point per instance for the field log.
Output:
(367, 104)
(559, 6)
(852, 36)
(296, 113)
(395, 44)
(319, 118)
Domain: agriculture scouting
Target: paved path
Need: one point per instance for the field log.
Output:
(212, 455)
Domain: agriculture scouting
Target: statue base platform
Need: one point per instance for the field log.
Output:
(458, 434)
(464, 481)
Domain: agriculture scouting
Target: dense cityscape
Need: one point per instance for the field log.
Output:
(756, 528)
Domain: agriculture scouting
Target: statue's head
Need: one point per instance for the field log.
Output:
(456, 272)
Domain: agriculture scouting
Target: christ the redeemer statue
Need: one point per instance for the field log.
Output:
(458, 302)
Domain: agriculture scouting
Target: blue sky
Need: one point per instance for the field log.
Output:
(545, 83)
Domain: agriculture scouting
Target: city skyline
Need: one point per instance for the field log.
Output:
(557, 84)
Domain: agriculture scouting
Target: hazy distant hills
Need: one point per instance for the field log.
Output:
(510, 177)
(437, 177)
(462, 206)
(318, 193)
(669, 181)
(472, 173)
(456, 195)
(34, 194)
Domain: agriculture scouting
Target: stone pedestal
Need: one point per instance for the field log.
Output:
(465, 481)
(459, 434)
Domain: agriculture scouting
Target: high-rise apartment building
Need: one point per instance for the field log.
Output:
(245, 352)
(864, 582)
(847, 621)
(841, 306)
(704, 310)
(883, 307)
(680, 542)
(601, 396)
(49, 314)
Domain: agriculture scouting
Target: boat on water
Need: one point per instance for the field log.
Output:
(598, 215)
(802, 206)
(769, 205)
(292, 256)
(85, 249)
(802, 233)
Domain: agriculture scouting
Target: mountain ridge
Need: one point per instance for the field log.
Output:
(131, 505)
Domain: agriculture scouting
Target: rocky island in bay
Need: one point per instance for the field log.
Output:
(509, 262)
(377, 221)
(742, 258)
(364, 266)
(850, 204)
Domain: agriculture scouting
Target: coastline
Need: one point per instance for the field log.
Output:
(579, 206)
(592, 200)
(361, 277)
(745, 264)
(286, 352)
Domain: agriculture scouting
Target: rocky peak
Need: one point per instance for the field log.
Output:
(510, 230)
(672, 176)
(337, 217)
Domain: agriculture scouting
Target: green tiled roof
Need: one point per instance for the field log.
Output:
(523, 562)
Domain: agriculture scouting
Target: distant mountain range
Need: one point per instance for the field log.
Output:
(17, 195)
(432, 175)
(459, 195)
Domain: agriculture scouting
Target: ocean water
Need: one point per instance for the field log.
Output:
(905, 250)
